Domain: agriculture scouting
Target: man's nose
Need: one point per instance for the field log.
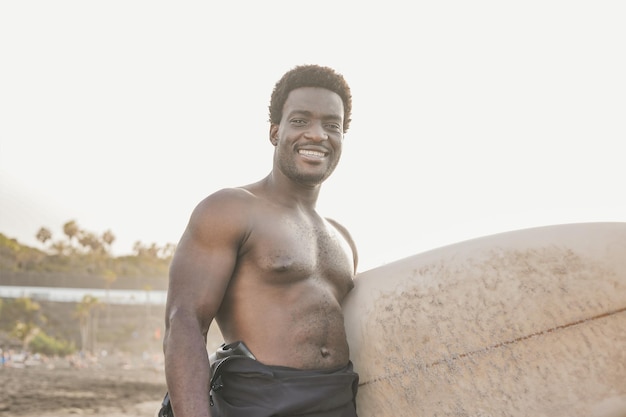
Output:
(317, 133)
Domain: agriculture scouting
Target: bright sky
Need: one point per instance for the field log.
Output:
(470, 118)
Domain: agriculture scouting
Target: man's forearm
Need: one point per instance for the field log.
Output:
(187, 371)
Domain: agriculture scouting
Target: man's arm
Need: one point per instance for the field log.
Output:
(199, 275)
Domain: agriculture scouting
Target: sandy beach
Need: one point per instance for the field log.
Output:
(58, 389)
(123, 378)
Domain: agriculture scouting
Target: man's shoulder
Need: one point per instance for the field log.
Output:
(231, 195)
(227, 201)
(226, 211)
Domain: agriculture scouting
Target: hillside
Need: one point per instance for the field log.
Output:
(22, 265)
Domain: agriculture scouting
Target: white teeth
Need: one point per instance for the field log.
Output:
(311, 153)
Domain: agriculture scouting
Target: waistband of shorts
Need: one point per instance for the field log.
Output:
(287, 371)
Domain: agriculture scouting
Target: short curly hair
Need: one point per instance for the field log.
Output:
(310, 76)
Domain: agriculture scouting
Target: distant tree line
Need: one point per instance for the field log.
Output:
(82, 258)
(78, 240)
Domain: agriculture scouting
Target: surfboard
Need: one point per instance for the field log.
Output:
(522, 323)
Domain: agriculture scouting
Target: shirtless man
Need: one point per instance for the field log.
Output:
(271, 271)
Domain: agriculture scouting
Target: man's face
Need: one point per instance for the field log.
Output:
(308, 138)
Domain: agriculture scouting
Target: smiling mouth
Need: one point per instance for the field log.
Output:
(311, 153)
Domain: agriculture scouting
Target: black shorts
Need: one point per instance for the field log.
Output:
(247, 388)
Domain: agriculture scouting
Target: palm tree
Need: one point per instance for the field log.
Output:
(108, 238)
(27, 315)
(59, 247)
(43, 235)
(167, 252)
(90, 242)
(25, 332)
(87, 318)
(109, 278)
(71, 230)
(148, 289)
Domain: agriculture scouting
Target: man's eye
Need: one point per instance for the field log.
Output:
(298, 122)
(334, 127)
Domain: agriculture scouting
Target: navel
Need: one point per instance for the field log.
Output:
(325, 352)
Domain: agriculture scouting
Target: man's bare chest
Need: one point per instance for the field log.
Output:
(300, 248)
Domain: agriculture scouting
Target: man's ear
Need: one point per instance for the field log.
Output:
(274, 134)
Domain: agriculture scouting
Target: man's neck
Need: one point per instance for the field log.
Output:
(291, 193)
